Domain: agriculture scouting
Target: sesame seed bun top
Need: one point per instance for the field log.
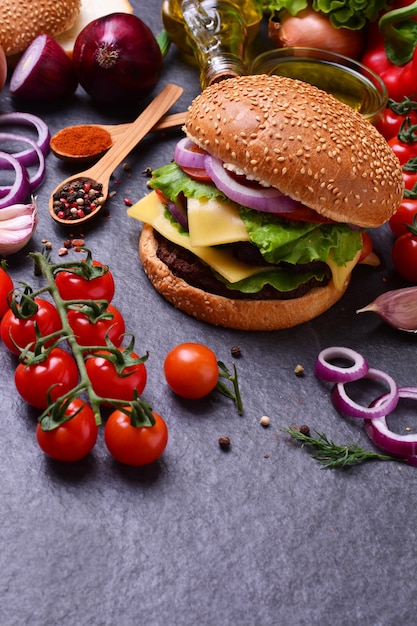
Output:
(22, 21)
(291, 135)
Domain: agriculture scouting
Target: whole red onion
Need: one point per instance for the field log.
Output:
(117, 59)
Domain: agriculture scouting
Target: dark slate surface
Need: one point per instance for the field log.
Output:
(258, 536)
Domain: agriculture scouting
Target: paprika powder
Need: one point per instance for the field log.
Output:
(84, 142)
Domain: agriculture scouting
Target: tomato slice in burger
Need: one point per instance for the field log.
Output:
(305, 214)
(197, 173)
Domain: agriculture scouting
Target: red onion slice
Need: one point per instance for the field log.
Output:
(401, 446)
(252, 195)
(347, 406)
(179, 213)
(29, 156)
(336, 374)
(185, 156)
(20, 189)
(37, 178)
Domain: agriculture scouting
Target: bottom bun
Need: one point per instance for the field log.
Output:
(238, 314)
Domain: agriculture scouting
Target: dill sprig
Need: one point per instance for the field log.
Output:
(333, 456)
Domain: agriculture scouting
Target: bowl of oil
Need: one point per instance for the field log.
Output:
(346, 79)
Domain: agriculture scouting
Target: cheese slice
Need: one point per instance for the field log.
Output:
(151, 211)
(214, 222)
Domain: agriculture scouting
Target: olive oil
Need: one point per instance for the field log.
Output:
(212, 34)
(345, 79)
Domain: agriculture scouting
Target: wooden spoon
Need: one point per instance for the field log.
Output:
(101, 171)
(113, 130)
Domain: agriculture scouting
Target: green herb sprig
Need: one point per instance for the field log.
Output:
(333, 456)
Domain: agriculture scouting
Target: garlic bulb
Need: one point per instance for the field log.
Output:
(17, 225)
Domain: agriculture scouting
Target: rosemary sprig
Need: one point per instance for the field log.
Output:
(333, 456)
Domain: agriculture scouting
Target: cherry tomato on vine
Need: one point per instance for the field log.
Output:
(404, 151)
(135, 445)
(22, 331)
(74, 287)
(6, 285)
(390, 123)
(107, 383)
(191, 370)
(72, 440)
(94, 333)
(405, 215)
(33, 380)
(404, 256)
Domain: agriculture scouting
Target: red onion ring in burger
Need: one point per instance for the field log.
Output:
(253, 195)
(401, 446)
(349, 407)
(337, 374)
(185, 156)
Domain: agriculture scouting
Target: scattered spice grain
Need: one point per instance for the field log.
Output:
(224, 442)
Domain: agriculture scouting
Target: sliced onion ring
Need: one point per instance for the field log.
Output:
(39, 175)
(29, 156)
(267, 199)
(185, 156)
(20, 189)
(347, 406)
(401, 446)
(335, 374)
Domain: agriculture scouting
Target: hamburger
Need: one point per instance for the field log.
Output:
(261, 217)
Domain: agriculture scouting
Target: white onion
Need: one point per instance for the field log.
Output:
(336, 374)
(347, 406)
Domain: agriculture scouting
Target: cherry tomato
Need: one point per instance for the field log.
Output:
(410, 179)
(33, 380)
(390, 123)
(106, 381)
(74, 287)
(94, 333)
(23, 331)
(191, 370)
(133, 445)
(6, 285)
(404, 151)
(404, 256)
(405, 215)
(72, 440)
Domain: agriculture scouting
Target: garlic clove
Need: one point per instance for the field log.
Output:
(397, 308)
(17, 225)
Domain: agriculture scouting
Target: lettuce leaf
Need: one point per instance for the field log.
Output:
(279, 279)
(300, 242)
(171, 181)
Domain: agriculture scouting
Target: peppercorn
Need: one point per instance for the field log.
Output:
(236, 352)
(305, 430)
(78, 198)
(224, 442)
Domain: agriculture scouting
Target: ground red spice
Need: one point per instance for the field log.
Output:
(81, 141)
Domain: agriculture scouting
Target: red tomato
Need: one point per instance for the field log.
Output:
(107, 383)
(94, 333)
(405, 214)
(33, 381)
(410, 179)
(74, 287)
(72, 440)
(404, 151)
(135, 445)
(305, 214)
(197, 173)
(6, 285)
(191, 370)
(404, 256)
(367, 246)
(390, 123)
(23, 331)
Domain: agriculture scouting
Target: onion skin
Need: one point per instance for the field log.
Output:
(44, 72)
(312, 29)
(117, 59)
(3, 68)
